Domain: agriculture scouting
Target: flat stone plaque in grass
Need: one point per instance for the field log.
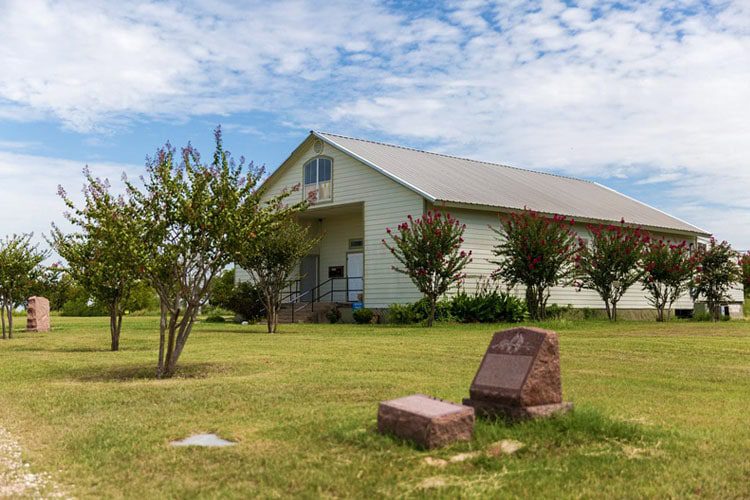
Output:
(519, 376)
(204, 440)
(427, 421)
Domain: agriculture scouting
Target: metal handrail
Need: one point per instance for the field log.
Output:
(294, 296)
(346, 290)
(292, 292)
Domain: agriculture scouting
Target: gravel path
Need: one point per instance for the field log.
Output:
(16, 480)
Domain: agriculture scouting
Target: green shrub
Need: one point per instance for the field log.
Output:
(333, 315)
(245, 301)
(401, 314)
(588, 313)
(211, 310)
(407, 314)
(487, 306)
(215, 318)
(82, 306)
(555, 311)
(362, 316)
(421, 310)
(701, 316)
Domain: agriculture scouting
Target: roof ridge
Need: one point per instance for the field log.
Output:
(454, 157)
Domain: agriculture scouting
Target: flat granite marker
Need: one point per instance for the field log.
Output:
(37, 315)
(205, 440)
(519, 377)
(427, 421)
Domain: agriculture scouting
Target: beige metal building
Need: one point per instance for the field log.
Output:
(362, 187)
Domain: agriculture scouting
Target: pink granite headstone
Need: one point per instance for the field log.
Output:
(519, 377)
(429, 422)
(37, 315)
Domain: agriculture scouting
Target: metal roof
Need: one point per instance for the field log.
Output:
(449, 179)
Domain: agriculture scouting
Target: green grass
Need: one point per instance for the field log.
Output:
(661, 410)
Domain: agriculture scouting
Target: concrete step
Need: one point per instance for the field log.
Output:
(304, 312)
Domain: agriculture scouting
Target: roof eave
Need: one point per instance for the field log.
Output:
(374, 166)
(587, 220)
(281, 166)
(698, 230)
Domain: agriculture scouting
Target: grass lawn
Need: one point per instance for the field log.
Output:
(661, 410)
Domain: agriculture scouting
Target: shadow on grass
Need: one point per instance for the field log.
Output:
(129, 373)
(75, 349)
(581, 431)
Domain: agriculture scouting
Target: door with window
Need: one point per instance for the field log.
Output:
(355, 270)
(308, 277)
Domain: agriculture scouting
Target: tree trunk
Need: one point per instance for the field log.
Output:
(275, 306)
(614, 311)
(541, 304)
(609, 310)
(181, 333)
(114, 327)
(10, 320)
(171, 336)
(272, 317)
(2, 312)
(162, 338)
(431, 316)
(272, 304)
(532, 303)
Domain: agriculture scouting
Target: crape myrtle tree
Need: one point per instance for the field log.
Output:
(611, 263)
(56, 284)
(104, 255)
(429, 252)
(667, 271)
(19, 270)
(271, 260)
(716, 272)
(744, 263)
(193, 217)
(535, 251)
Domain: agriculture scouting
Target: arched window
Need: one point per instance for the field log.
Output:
(318, 174)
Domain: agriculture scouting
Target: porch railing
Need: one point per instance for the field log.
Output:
(326, 290)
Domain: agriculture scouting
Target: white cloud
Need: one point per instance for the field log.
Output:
(656, 92)
(29, 201)
(87, 63)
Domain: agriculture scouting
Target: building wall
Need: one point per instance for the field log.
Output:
(336, 232)
(480, 239)
(384, 203)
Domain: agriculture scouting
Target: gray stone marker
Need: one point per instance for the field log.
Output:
(519, 377)
(427, 421)
(205, 440)
(37, 315)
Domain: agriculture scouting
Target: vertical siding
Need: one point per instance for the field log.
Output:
(384, 203)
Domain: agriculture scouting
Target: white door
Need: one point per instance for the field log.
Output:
(355, 270)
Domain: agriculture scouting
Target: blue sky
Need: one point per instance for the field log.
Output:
(649, 98)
